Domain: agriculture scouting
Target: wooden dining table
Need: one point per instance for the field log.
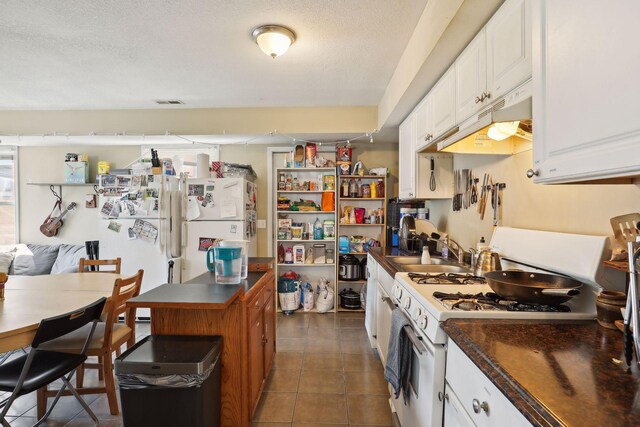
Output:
(29, 299)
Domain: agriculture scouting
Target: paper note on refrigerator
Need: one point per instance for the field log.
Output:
(193, 211)
(228, 209)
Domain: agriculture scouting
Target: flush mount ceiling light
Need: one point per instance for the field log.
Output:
(500, 131)
(274, 40)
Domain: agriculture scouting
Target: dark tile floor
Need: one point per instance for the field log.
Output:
(325, 373)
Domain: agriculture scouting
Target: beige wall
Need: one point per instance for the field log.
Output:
(46, 164)
(581, 209)
(205, 121)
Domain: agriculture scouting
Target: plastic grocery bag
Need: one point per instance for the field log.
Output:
(307, 297)
(324, 297)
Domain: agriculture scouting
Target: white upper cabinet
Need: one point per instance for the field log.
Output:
(508, 43)
(586, 101)
(443, 97)
(407, 158)
(424, 123)
(471, 78)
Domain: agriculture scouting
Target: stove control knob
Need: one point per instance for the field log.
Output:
(397, 292)
(422, 322)
(416, 313)
(406, 303)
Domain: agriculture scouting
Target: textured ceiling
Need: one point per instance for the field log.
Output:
(87, 54)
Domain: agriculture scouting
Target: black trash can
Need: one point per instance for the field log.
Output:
(168, 380)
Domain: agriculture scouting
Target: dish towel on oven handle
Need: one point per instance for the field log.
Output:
(397, 370)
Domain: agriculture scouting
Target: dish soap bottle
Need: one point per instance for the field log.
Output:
(425, 258)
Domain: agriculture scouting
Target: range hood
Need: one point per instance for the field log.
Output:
(476, 134)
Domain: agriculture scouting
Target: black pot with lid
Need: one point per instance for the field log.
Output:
(349, 299)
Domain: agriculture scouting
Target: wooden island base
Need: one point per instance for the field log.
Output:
(246, 321)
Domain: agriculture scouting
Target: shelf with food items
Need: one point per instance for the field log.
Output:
(356, 188)
(304, 191)
(319, 230)
(301, 182)
(356, 245)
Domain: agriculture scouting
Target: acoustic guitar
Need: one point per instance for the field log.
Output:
(51, 226)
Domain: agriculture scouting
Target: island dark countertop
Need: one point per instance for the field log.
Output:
(554, 372)
(199, 292)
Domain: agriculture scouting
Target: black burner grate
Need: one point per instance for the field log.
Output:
(492, 301)
(446, 278)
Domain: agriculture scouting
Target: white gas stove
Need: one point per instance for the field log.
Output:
(577, 256)
(429, 299)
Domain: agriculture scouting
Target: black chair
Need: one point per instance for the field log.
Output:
(38, 368)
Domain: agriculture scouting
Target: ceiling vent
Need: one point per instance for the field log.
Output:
(169, 102)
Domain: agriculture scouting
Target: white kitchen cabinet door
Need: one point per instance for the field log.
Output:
(454, 414)
(383, 323)
(444, 103)
(508, 35)
(407, 158)
(471, 78)
(485, 405)
(424, 123)
(371, 303)
(586, 100)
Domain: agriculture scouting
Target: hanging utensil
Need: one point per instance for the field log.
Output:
(625, 227)
(631, 333)
(482, 192)
(474, 190)
(432, 178)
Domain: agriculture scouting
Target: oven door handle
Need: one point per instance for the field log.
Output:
(390, 303)
(415, 341)
(417, 344)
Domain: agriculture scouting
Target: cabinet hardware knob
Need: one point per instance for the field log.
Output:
(477, 406)
(440, 396)
(478, 99)
(531, 173)
(486, 95)
(446, 397)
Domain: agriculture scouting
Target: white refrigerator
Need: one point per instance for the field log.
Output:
(216, 209)
(141, 219)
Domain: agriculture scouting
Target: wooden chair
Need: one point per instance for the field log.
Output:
(109, 337)
(84, 263)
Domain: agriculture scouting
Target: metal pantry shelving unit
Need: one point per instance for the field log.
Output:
(309, 272)
(375, 231)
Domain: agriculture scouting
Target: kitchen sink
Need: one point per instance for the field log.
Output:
(434, 268)
(415, 260)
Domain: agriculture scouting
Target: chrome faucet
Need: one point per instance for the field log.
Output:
(458, 252)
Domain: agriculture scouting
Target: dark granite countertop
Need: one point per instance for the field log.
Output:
(554, 372)
(199, 292)
(380, 254)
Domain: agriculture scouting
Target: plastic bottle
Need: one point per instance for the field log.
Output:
(380, 188)
(318, 234)
(344, 188)
(353, 189)
(374, 190)
(425, 258)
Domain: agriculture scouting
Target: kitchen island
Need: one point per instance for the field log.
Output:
(554, 372)
(243, 314)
